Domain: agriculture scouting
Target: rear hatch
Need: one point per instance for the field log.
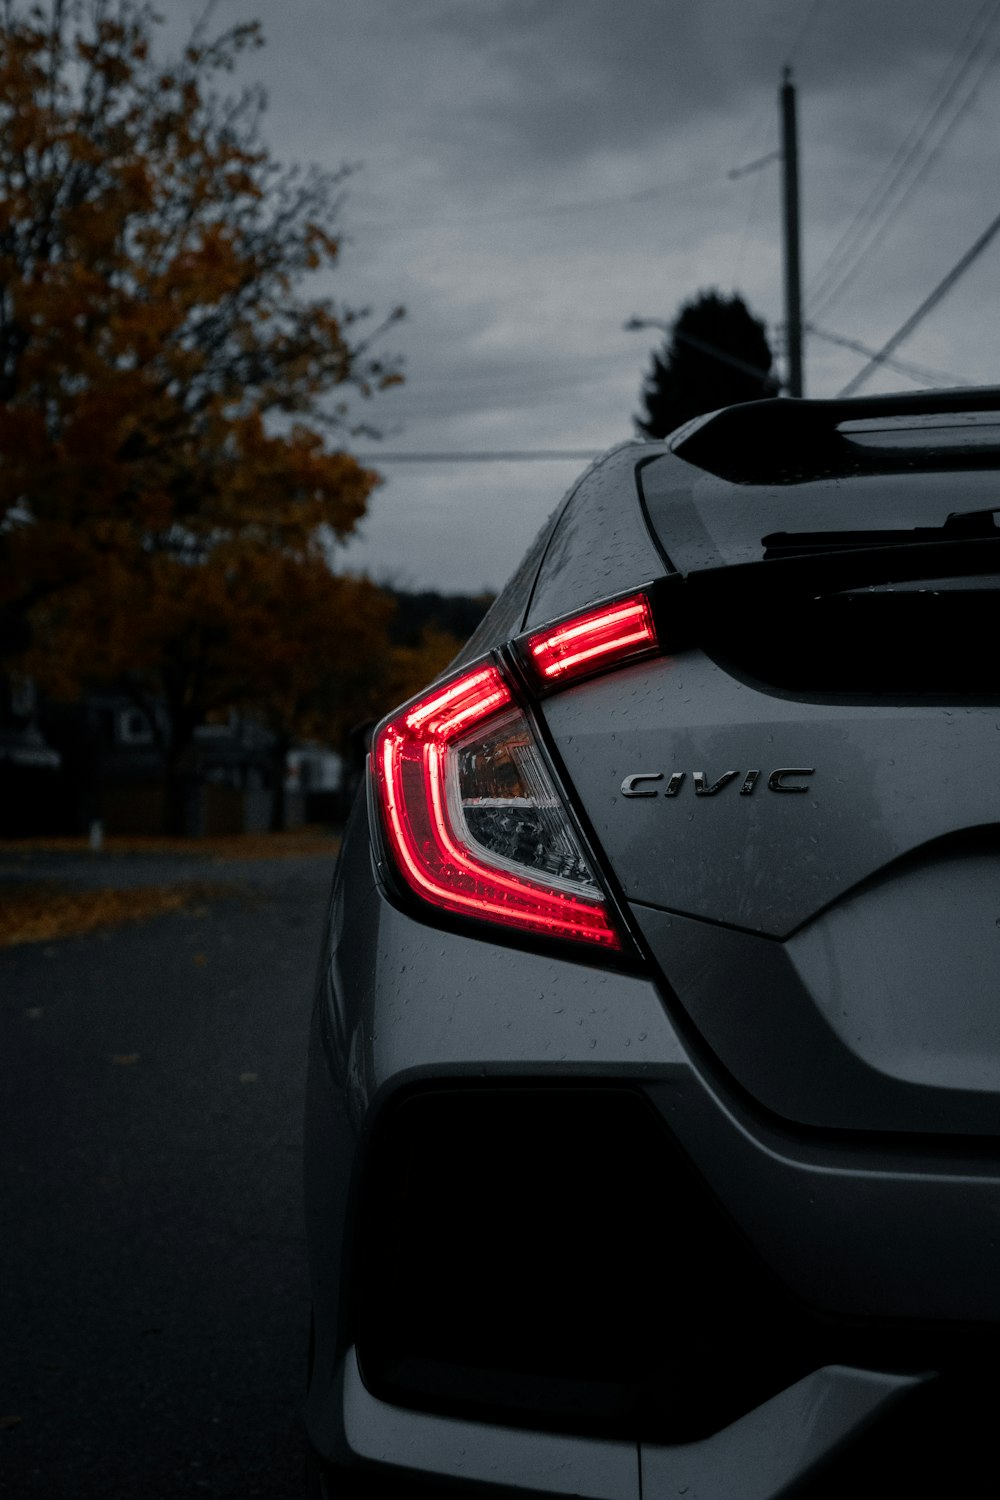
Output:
(801, 801)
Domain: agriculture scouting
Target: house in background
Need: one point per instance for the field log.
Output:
(30, 767)
(316, 788)
(114, 764)
(65, 767)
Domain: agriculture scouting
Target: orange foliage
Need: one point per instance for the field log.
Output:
(169, 397)
(411, 668)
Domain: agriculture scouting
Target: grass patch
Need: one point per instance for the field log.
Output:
(44, 912)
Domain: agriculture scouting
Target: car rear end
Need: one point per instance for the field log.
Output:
(652, 1133)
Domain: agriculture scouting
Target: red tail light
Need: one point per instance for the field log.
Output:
(473, 818)
(611, 635)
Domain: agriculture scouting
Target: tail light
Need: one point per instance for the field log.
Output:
(472, 815)
(607, 636)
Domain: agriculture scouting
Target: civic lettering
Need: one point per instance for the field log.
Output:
(776, 780)
(642, 783)
(631, 785)
(701, 787)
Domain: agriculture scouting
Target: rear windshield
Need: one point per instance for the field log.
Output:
(701, 521)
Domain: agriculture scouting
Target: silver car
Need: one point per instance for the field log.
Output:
(653, 1126)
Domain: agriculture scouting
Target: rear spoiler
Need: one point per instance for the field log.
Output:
(785, 440)
(683, 603)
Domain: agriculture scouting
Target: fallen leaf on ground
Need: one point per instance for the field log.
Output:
(125, 1059)
(294, 843)
(39, 912)
(248, 1078)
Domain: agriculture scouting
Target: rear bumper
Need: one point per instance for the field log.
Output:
(776, 1446)
(880, 1261)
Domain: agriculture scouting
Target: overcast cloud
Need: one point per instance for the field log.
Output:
(535, 171)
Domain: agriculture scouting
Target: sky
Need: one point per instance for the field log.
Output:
(529, 174)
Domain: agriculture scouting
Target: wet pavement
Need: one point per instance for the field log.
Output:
(153, 1297)
(81, 869)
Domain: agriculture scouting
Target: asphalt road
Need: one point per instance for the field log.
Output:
(153, 1299)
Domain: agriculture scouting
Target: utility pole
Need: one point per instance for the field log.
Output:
(790, 203)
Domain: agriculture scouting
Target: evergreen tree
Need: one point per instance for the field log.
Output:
(717, 355)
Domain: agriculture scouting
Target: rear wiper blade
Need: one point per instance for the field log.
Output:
(961, 525)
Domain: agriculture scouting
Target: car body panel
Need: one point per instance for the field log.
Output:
(755, 1458)
(878, 1015)
(601, 545)
(433, 1446)
(776, 1447)
(808, 1213)
(798, 1031)
(885, 781)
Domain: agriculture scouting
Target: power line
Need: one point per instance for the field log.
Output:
(922, 373)
(515, 456)
(752, 212)
(941, 290)
(893, 214)
(703, 345)
(735, 173)
(911, 142)
(550, 211)
(906, 170)
(765, 111)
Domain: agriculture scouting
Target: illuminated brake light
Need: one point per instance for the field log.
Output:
(473, 819)
(610, 636)
(472, 698)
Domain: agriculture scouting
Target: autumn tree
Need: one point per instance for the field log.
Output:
(717, 354)
(172, 403)
(270, 632)
(316, 694)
